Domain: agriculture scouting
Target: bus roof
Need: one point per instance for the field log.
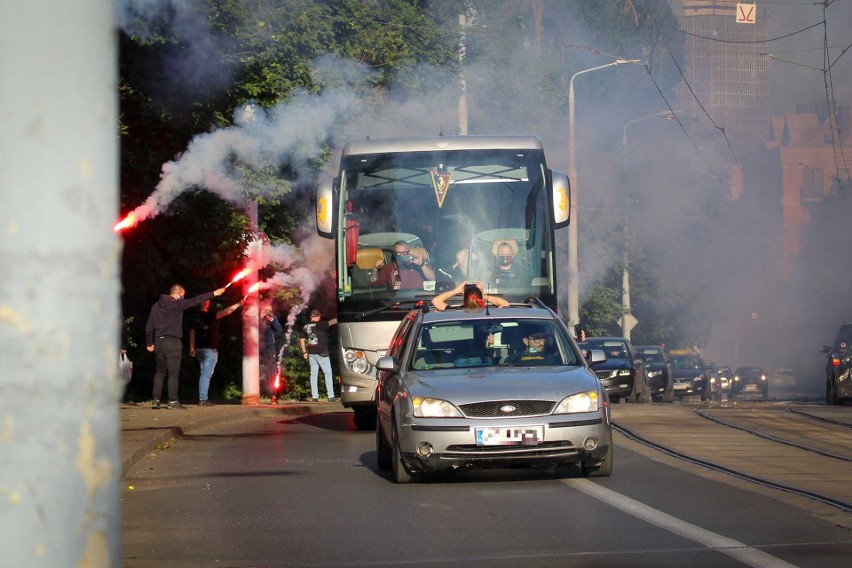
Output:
(440, 143)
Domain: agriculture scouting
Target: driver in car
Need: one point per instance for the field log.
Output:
(538, 343)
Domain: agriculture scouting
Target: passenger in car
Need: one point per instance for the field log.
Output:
(472, 298)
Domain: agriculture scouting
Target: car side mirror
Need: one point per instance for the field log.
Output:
(596, 356)
(824, 349)
(386, 364)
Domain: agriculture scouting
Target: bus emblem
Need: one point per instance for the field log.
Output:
(441, 183)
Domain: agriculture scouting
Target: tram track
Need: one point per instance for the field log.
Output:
(701, 452)
(773, 438)
(799, 412)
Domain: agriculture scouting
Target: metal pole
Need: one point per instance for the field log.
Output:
(463, 80)
(59, 298)
(573, 272)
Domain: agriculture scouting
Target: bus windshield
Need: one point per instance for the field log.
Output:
(419, 223)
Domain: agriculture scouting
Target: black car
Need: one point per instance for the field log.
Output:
(839, 386)
(658, 372)
(834, 394)
(622, 374)
(749, 380)
(690, 376)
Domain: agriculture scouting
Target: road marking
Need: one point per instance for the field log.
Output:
(733, 548)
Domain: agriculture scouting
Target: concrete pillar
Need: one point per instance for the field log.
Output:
(59, 285)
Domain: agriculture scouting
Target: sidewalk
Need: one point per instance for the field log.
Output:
(143, 429)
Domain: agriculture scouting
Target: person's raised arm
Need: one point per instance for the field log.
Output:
(228, 311)
(440, 301)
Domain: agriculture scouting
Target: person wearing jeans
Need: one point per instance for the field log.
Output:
(163, 333)
(204, 345)
(313, 339)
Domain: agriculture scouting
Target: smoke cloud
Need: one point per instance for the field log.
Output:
(661, 186)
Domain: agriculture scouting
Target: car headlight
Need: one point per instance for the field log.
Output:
(623, 372)
(652, 374)
(736, 378)
(712, 381)
(581, 402)
(434, 408)
(762, 377)
(698, 378)
(356, 361)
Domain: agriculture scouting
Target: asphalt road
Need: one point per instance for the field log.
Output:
(269, 491)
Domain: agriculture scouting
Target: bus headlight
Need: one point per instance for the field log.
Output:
(356, 361)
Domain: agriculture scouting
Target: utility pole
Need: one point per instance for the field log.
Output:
(251, 325)
(463, 80)
(59, 300)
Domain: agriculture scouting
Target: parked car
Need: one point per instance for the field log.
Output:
(722, 385)
(479, 388)
(835, 352)
(841, 387)
(658, 372)
(690, 376)
(749, 380)
(622, 374)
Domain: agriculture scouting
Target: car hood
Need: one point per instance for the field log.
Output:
(465, 386)
(686, 373)
(610, 364)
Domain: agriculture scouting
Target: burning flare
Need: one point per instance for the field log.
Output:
(130, 221)
(240, 275)
(254, 288)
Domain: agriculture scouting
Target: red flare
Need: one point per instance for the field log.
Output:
(126, 223)
(277, 384)
(240, 275)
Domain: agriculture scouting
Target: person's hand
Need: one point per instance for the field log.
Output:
(305, 355)
(192, 351)
(219, 292)
(151, 348)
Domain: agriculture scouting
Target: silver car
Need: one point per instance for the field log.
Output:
(489, 388)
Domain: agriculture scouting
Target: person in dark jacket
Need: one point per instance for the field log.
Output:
(163, 334)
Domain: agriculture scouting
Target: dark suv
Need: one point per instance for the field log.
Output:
(690, 376)
(835, 352)
(623, 373)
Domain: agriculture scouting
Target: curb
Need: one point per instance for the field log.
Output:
(164, 434)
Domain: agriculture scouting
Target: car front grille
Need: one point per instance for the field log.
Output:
(608, 374)
(541, 451)
(507, 408)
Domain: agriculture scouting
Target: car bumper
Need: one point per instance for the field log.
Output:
(357, 390)
(689, 388)
(618, 386)
(443, 444)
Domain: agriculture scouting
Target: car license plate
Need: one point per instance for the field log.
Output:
(510, 436)
(680, 386)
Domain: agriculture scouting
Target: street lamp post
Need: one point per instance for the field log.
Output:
(627, 319)
(573, 272)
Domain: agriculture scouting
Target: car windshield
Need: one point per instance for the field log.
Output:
(492, 342)
(613, 348)
(686, 363)
(749, 371)
(651, 355)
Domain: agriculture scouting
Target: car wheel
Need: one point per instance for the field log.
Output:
(400, 474)
(831, 393)
(602, 470)
(364, 417)
(383, 449)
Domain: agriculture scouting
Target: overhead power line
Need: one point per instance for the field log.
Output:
(709, 38)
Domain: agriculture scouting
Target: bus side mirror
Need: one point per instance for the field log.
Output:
(561, 197)
(326, 209)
